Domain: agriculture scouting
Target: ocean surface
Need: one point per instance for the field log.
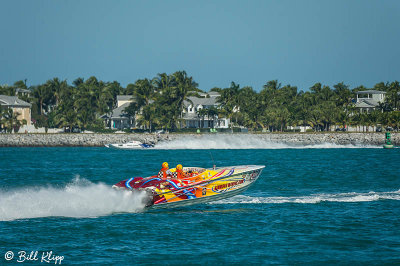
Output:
(322, 204)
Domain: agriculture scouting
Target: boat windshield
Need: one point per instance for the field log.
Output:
(194, 170)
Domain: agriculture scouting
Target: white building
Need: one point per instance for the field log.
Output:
(192, 117)
(118, 118)
(18, 106)
(369, 100)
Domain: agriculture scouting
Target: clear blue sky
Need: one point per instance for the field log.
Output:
(249, 42)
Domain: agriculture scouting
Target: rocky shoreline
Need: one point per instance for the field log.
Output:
(97, 140)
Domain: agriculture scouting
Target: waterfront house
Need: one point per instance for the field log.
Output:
(194, 118)
(18, 106)
(22, 92)
(118, 118)
(369, 100)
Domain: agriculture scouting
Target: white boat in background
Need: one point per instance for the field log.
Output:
(132, 145)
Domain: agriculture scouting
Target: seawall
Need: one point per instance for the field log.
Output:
(78, 140)
(95, 140)
(335, 138)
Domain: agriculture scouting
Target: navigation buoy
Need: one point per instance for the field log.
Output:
(388, 143)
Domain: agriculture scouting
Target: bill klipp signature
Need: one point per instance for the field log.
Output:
(43, 257)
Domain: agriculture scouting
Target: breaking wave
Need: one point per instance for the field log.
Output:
(227, 141)
(80, 198)
(316, 198)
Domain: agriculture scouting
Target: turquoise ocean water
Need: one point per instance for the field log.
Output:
(323, 204)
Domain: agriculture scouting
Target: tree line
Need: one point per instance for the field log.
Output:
(275, 107)
(159, 103)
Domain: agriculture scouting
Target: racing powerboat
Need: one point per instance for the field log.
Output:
(200, 185)
(132, 145)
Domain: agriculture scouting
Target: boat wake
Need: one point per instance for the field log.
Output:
(226, 141)
(315, 198)
(80, 198)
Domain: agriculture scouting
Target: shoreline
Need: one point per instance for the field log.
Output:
(99, 140)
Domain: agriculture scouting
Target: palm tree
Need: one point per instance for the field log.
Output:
(85, 106)
(172, 91)
(342, 94)
(364, 121)
(184, 87)
(212, 112)
(396, 119)
(355, 120)
(315, 118)
(7, 90)
(164, 96)
(392, 97)
(282, 116)
(374, 118)
(147, 117)
(20, 84)
(57, 87)
(67, 119)
(229, 102)
(202, 113)
(249, 106)
(343, 118)
(270, 118)
(329, 114)
(83, 119)
(143, 92)
(10, 120)
(106, 101)
(132, 110)
(162, 81)
(43, 96)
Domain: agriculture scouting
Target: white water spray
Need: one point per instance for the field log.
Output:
(227, 141)
(80, 198)
(315, 198)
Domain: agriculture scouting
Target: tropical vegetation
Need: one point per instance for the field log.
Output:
(159, 102)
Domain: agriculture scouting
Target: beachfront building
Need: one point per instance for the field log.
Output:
(369, 100)
(22, 92)
(118, 119)
(194, 117)
(298, 128)
(18, 106)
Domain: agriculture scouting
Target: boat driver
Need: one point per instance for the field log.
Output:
(164, 172)
(180, 174)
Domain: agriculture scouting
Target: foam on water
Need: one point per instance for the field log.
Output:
(227, 141)
(80, 198)
(312, 199)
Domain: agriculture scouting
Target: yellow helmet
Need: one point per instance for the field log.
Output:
(179, 167)
(164, 165)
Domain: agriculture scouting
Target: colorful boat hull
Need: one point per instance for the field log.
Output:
(205, 185)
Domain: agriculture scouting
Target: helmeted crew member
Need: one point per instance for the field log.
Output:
(164, 172)
(179, 172)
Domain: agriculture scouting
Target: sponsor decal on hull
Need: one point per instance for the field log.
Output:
(227, 186)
